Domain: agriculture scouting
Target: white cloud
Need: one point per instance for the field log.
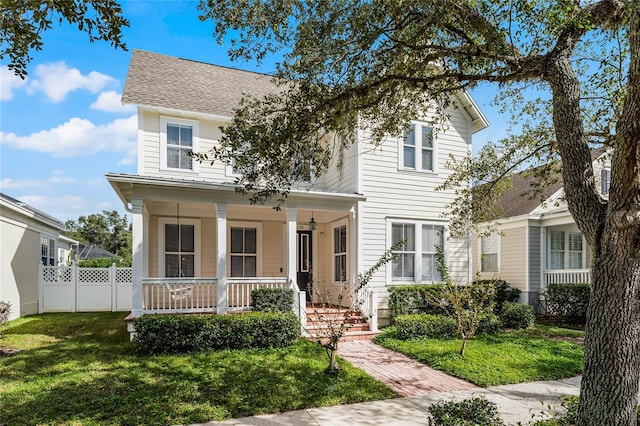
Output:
(56, 80)
(80, 137)
(8, 82)
(57, 179)
(110, 102)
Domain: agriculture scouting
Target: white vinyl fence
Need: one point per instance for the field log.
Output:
(75, 289)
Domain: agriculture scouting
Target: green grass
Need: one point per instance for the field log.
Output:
(510, 357)
(81, 369)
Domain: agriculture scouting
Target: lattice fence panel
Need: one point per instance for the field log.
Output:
(93, 276)
(124, 275)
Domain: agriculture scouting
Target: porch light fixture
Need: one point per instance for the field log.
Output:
(312, 223)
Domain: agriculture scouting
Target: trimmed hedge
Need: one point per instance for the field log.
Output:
(181, 334)
(412, 299)
(272, 300)
(489, 324)
(415, 326)
(504, 293)
(568, 302)
(516, 315)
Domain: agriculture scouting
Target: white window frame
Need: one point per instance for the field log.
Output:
(417, 252)
(570, 249)
(605, 181)
(259, 254)
(416, 129)
(51, 252)
(337, 225)
(567, 249)
(195, 142)
(492, 240)
(162, 221)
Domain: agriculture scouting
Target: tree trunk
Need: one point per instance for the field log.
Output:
(609, 389)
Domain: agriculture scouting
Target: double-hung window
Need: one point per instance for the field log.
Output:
(178, 139)
(416, 259)
(340, 253)
(244, 251)
(179, 250)
(489, 253)
(47, 251)
(418, 149)
(556, 249)
(605, 181)
(575, 250)
(566, 250)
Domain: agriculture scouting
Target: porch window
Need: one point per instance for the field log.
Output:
(418, 149)
(47, 251)
(179, 250)
(556, 249)
(244, 252)
(403, 264)
(178, 139)
(340, 253)
(489, 253)
(575, 250)
(432, 237)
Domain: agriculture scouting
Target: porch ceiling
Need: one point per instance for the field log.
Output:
(164, 193)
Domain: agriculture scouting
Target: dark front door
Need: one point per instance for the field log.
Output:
(305, 254)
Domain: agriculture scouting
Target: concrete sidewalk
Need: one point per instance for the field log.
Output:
(524, 402)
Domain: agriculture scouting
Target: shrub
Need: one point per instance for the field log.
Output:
(180, 334)
(489, 324)
(568, 302)
(272, 299)
(425, 325)
(504, 293)
(5, 311)
(516, 315)
(474, 411)
(413, 299)
(104, 262)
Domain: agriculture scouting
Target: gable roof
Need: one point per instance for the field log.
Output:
(169, 82)
(28, 211)
(163, 81)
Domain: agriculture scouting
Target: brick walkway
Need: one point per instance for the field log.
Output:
(401, 373)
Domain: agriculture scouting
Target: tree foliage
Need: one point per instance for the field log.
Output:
(570, 69)
(107, 230)
(22, 23)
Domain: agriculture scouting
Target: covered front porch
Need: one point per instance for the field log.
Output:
(200, 247)
(566, 255)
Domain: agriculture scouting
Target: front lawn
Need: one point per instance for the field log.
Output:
(541, 353)
(81, 369)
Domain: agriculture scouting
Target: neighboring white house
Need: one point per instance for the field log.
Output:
(536, 243)
(28, 237)
(198, 242)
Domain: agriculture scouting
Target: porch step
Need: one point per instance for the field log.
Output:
(322, 317)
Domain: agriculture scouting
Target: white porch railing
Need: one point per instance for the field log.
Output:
(184, 295)
(239, 290)
(567, 276)
(367, 302)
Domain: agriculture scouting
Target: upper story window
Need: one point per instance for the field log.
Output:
(416, 259)
(178, 138)
(605, 181)
(47, 251)
(489, 246)
(418, 149)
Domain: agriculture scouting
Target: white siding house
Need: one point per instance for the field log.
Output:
(28, 237)
(195, 238)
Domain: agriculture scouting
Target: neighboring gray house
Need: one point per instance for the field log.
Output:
(195, 239)
(83, 251)
(536, 243)
(27, 237)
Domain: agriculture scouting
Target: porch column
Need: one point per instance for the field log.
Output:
(137, 242)
(353, 248)
(145, 243)
(290, 247)
(221, 250)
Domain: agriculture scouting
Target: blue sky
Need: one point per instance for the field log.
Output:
(64, 127)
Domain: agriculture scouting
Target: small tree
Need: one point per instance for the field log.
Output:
(334, 319)
(466, 304)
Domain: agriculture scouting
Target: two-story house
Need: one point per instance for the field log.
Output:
(198, 245)
(537, 243)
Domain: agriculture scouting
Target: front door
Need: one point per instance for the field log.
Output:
(304, 248)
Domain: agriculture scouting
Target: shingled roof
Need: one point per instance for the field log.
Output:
(168, 82)
(516, 202)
